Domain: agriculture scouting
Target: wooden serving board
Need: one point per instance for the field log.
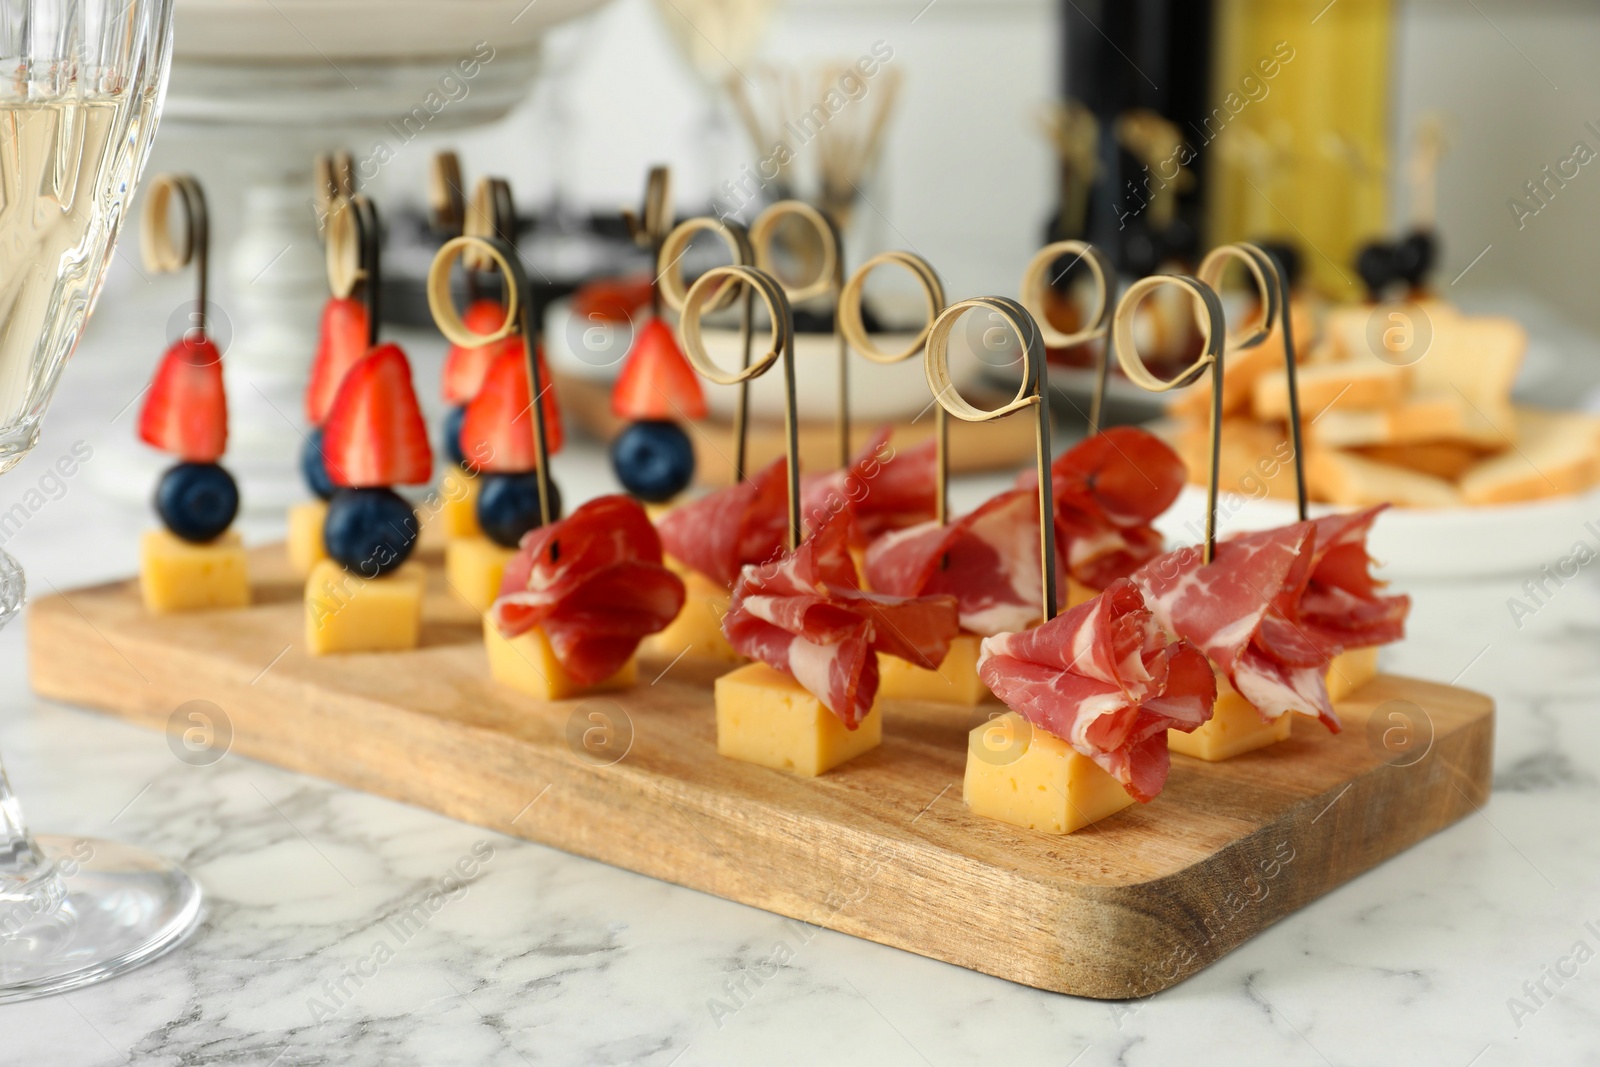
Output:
(881, 847)
(1005, 444)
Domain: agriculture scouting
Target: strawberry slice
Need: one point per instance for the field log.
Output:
(375, 435)
(614, 300)
(343, 340)
(464, 368)
(496, 433)
(656, 380)
(186, 411)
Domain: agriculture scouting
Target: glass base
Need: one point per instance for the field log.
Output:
(116, 907)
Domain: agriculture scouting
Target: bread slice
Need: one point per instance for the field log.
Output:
(1479, 355)
(1442, 459)
(1347, 384)
(1439, 415)
(1242, 367)
(1341, 477)
(1255, 458)
(1557, 453)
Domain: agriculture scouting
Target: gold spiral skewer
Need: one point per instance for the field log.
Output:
(854, 329)
(1216, 330)
(161, 253)
(1034, 285)
(669, 283)
(1033, 392)
(710, 287)
(829, 279)
(1272, 285)
(497, 254)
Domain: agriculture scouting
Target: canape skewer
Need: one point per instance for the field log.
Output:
(1035, 283)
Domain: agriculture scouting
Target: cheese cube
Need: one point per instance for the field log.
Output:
(474, 567)
(766, 717)
(458, 510)
(697, 631)
(1235, 727)
(348, 613)
(1027, 777)
(1078, 593)
(527, 664)
(955, 681)
(306, 547)
(1351, 670)
(178, 575)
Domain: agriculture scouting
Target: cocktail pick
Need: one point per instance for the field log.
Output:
(854, 328)
(650, 226)
(1033, 392)
(1215, 330)
(1273, 287)
(161, 253)
(497, 254)
(447, 198)
(669, 284)
(1036, 281)
(333, 184)
(352, 255)
(829, 280)
(711, 287)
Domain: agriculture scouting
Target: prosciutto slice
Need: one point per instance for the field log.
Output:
(1104, 678)
(1273, 608)
(805, 615)
(1107, 490)
(594, 582)
(883, 489)
(722, 531)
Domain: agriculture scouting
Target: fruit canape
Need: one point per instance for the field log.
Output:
(196, 561)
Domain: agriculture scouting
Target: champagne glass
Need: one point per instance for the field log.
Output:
(81, 83)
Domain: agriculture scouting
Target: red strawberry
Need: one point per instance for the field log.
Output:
(186, 412)
(464, 368)
(343, 341)
(614, 300)
(375, 435)
(497, 433)
(656, 380)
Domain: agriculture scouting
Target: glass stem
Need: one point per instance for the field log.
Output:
(21, 862)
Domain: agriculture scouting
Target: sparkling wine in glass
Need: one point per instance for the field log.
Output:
(81, 83)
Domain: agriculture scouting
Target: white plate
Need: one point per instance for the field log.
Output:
(1422, 542)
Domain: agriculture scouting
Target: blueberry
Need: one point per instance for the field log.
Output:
(654, 460)
(369, 531)
(1415, 255)
(508, 506)
(197, 501)
(314, 465)
(1376, 263)
(452, 434)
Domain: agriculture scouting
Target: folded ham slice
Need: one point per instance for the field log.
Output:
(883, 489)
(594, 582)
(719, 533)
(1273, 608)
(806, 616)
(1104, 678)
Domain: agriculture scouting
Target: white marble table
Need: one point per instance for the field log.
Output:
(547, 958)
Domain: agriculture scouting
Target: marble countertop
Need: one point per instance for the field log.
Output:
(1471, 948)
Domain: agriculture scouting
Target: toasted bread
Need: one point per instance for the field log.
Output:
(1441, 459)
(1255, 457)
(1438, 415)
(1557, 453)
(1341, 477)
(1349, 384)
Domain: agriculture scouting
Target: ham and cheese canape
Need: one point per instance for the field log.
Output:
(1284, 615)
(1106, 492)
(882, 490)
(576, 600)
(808, 703)
(1093, 694)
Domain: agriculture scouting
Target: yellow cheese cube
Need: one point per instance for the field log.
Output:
(656, 512)
(348, 613)
(306, 548)
(474, 567)
(766, 717)
(955, 682)
(1026, 777)
(697, 631)
(1078, 593)
(458, 510)
(1350, 671)
(177, 575)
(527, 664)
(1235, 726)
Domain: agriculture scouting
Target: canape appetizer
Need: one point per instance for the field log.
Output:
(577, 597)
(1095, 695)
(196, 562)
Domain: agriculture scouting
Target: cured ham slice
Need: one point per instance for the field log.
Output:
(805, 615)
(883, 489)
(1105, 679)
(594, 582)
(1273, 608)
(721, 532)
(1107, 490)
